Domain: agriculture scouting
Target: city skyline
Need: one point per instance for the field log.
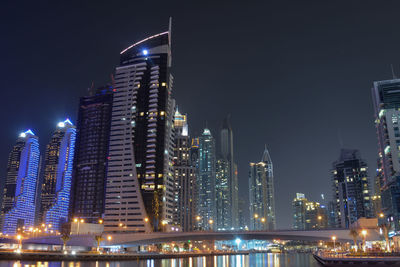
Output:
(324, 122)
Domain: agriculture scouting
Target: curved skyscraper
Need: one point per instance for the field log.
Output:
(140, 182)
(262, 194)
(18, 207)
(56, 186)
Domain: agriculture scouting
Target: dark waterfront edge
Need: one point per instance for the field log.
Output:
(39, 256)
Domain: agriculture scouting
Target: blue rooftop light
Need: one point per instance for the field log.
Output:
(145, 52)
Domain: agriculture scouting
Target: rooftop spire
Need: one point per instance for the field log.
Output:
(393, 75)
(266, 157)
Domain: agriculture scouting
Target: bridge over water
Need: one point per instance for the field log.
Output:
(135, 239)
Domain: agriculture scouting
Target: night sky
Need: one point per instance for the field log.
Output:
(295, 76)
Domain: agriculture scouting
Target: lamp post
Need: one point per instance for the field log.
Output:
(364, 234)
(78, 221)
(237, 241)
(19, 238)
(334, 243)
(198, 218)
(319, 221)
(211, 221)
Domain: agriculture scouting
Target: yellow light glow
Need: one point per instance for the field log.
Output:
(364, 232)
(333, 238)
(146, 219)
(109, 238)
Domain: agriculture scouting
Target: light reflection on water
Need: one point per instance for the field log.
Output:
(253, 260)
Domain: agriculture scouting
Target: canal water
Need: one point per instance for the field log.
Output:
(252, 260)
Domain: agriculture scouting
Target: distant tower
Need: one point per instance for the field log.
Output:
(57, 179)
(386, 100)
(299, 212)
(206, 181)
(231, 194)
(261, 187)
(185, 175)
(91, 152)
(18, 208)
(140, 181)
(223, 204)
(351, 191)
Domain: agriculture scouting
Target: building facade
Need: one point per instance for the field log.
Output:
(351, 190)
(18, 208)
(206, 182)
(308, 215)
(261, 194)
(299, 212)
(230, 197)
(57, 178)
(140, 181)
(386, 100)
(91, 152)
(185, 176)
(223, 206)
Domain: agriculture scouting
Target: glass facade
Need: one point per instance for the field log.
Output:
(206, 182)
(351, 190)
(386, 99)
(261, 194)
(91, 152)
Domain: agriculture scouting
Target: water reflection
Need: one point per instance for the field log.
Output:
(253, 260)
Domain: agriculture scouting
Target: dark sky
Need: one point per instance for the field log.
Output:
(294, 75)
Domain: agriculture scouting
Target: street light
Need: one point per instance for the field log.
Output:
(19, 237)
(334, 242)
(263, 220)
(381, 215)
(256, 215)
(109, 238)
(237, 241)
(364, 234)
(100, 221)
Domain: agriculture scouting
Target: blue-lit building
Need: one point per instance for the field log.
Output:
(18, 208)
(206, 182)
(56, 186)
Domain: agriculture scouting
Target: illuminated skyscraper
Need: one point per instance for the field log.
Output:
(140, 181)
(91, 152)
(18, 207)
(351, 191)
(261, 187)
(185, 175)
(206, 181)
(308, 215)
(222, 202)
(299, 212)
(231, 194)
(56, 186)
(386, 100)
